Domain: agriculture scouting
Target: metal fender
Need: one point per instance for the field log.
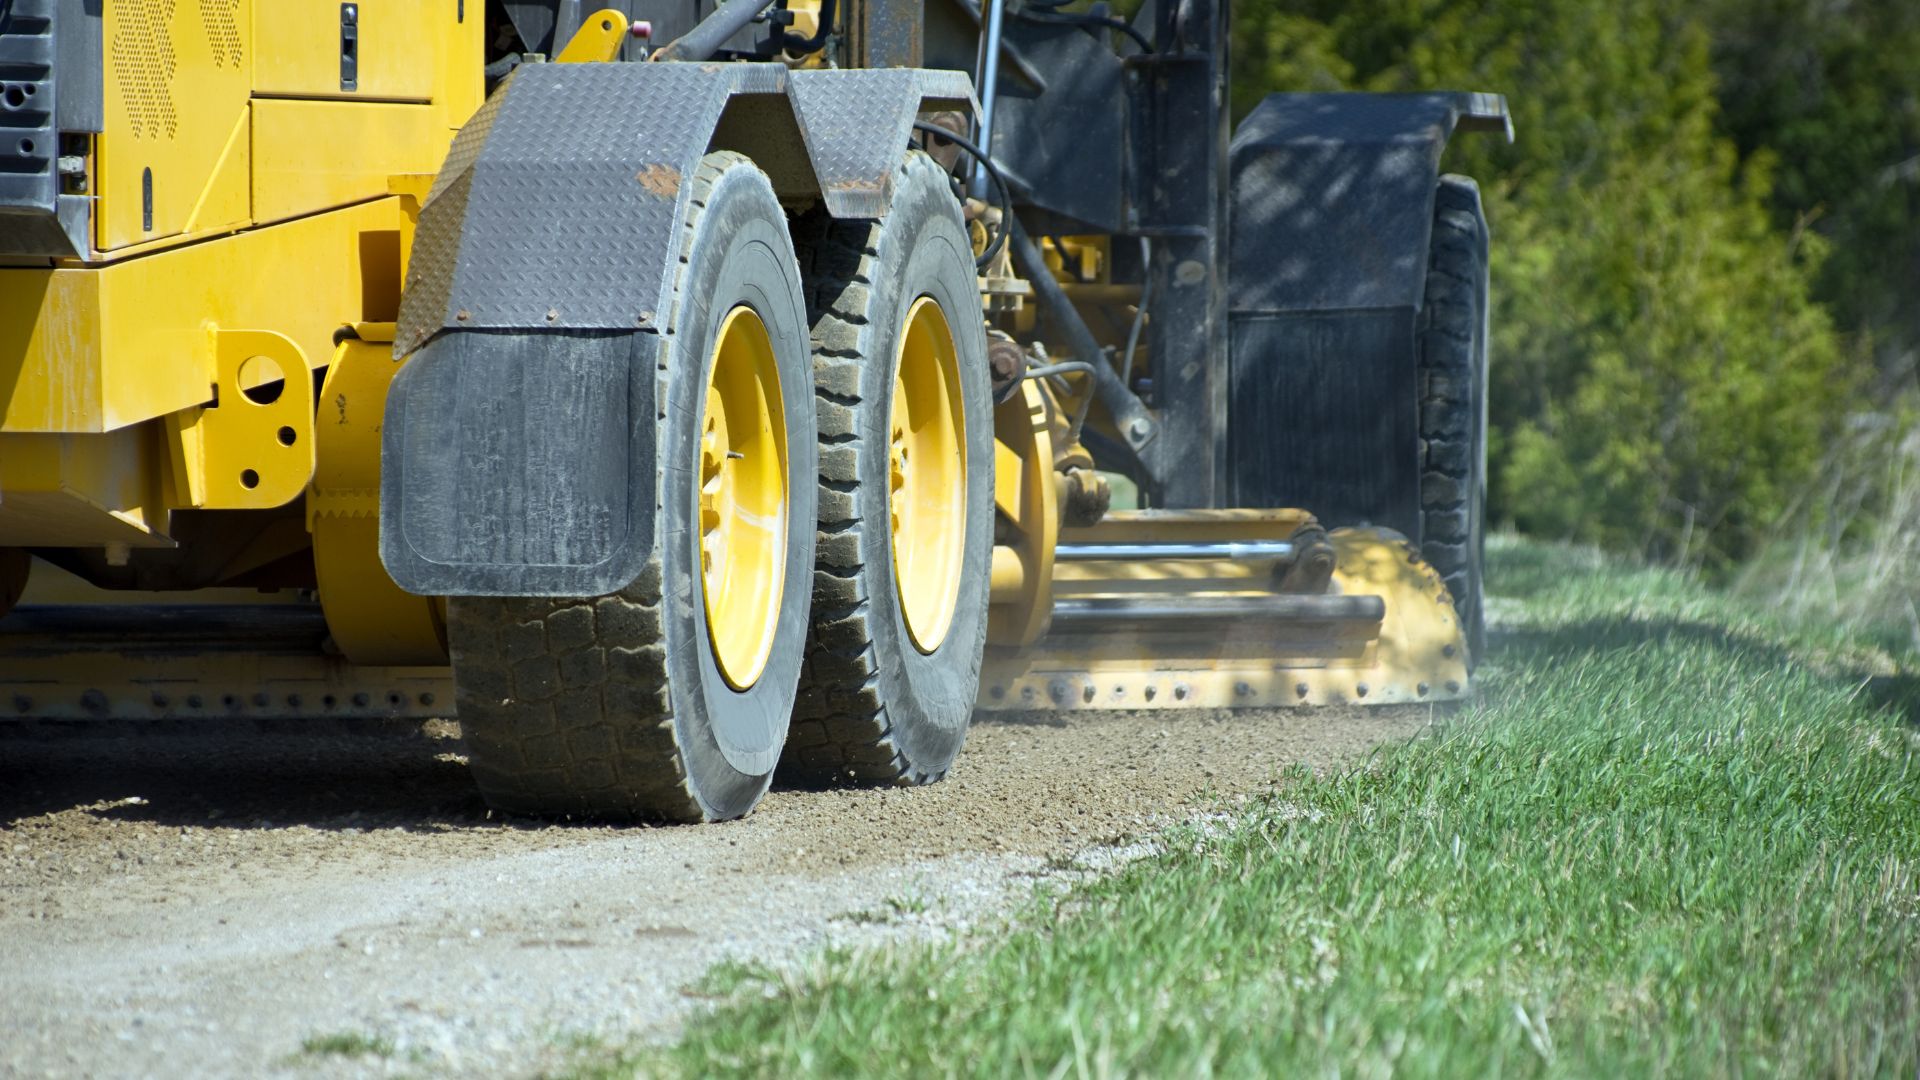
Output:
(520, 439)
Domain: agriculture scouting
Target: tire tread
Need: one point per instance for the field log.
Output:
(850, 735)
(564, 703)
(1449, 410)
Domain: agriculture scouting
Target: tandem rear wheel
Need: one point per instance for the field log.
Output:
(906, 491)
(823, 532)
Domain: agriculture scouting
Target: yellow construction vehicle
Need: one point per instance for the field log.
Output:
(684, 395)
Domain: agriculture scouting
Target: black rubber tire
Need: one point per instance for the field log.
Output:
(873, 708)
(613, 707)
(1452, 378)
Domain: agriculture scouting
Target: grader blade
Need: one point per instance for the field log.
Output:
(1234, 609)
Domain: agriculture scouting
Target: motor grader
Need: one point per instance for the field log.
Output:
(685, 396)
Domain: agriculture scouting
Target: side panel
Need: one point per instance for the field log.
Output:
(172, 159)
(91, 350)
(298, 161)
(297, 44)
(130, 126)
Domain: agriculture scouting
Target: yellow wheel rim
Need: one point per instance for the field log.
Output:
(743, 498)
(927, 474)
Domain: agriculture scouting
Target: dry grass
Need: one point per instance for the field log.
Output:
(1848, 551)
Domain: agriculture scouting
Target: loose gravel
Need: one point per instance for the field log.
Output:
(209, 898)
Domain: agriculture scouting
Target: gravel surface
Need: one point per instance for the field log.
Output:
(205, 899)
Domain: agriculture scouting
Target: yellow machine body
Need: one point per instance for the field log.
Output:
(240, 192)
(216, 348)
(207, 380)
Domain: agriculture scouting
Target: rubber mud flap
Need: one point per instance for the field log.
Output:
(520, 463)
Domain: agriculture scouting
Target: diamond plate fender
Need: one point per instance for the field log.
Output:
(519, 450)
(559, 200)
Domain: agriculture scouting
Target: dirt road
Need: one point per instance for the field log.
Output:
(203, 900)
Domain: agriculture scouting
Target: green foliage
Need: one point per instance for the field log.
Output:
(1831, 92)
(1676, 839)
(1663, 381)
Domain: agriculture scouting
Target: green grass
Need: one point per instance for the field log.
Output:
(346, 1044)
(1679, 835)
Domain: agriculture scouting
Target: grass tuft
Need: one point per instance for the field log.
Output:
(347, 1044)
(1679, 835)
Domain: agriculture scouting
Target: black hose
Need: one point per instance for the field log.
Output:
(501, 68)
(1073, 18)
(999, 181)
(713, 31)
(804, 45)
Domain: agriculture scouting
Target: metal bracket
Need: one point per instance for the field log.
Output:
(252, 448)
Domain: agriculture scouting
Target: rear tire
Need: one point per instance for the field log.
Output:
(1452, 376)
(876, 706)
(617, 706)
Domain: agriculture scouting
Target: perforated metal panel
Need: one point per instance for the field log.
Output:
(222, 21)
(143, 66)
(175, 95)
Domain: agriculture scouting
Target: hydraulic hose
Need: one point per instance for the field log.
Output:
(992, 171)
(804, 45)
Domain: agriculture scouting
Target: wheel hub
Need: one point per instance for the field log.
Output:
(743, 498)
(927, 475)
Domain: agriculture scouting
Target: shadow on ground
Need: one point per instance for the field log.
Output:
(241, 774)
(1898, 694)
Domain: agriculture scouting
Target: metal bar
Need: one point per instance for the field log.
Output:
(713, 31)
(1089, 613)
(1135, 422)
(989, 83)
(1181, 199)
(1232, 550)
(153, 661)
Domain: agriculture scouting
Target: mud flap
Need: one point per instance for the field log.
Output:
(520, 463)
